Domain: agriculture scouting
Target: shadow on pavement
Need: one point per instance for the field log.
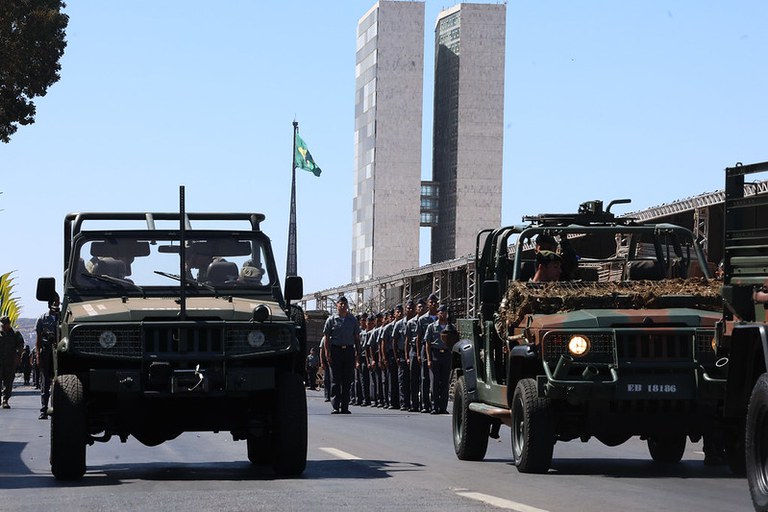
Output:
(631, 468)
(18, 476)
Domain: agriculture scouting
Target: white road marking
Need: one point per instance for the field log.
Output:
(497, 502)
(477, 496)
(340, 454)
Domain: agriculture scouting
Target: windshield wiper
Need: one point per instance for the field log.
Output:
(187, 280)
(117, 282)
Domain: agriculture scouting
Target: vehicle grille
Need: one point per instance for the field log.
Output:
(556, 343)
(653, 345)
(635, 345)
(209, 340)
(704, 342)
(86, 340)
(183, 340)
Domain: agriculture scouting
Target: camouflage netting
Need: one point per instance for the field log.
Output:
(524, 298)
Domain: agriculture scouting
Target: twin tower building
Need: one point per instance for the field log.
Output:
(391, 200)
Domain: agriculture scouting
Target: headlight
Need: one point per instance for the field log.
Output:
(107, 339)
(578, 345)
(256, 338)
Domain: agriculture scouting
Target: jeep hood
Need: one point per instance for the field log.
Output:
(625, 318)
(139, 309)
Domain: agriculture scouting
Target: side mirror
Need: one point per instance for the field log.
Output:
(294, 288)
(46, 289)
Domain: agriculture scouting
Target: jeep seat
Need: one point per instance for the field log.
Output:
(109, 267)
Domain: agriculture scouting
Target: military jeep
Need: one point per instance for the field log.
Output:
(743, 333)
(620, 346)
(175, 322)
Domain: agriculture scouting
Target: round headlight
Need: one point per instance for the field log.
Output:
(578, 345)
(256, 338)
(107, 339)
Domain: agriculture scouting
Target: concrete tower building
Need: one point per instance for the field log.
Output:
(468, 125)
(388, 117)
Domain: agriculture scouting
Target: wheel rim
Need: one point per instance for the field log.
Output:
(761, 451)
(458, 418)
(518, 429)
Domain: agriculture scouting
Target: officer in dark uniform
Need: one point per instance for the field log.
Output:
(353, 381)
(363, 366)
(11, 344)
(401, 356)
(424, 320)
(365, 362)
(342, 339)
(374, 363)
(390, 352)
(412, 350)
(439, 360)
(46, 328)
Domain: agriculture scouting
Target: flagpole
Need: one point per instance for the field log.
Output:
(290, 265)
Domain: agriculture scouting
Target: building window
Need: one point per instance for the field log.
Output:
(430, 202)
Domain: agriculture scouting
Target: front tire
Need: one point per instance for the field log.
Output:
(666, 450)
(470, 429)
(69, 433)
(290, 426)
(756, 441)
(533, 437)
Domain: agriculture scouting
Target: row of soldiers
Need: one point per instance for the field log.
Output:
(402, 360)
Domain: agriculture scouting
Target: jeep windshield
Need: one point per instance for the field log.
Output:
(150, 264)
(613, 253)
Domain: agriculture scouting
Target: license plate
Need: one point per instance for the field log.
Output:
(656, 387)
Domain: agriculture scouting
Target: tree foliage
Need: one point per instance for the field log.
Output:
(9, 304)
(31, 44)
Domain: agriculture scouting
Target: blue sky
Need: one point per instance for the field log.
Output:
(603, 99)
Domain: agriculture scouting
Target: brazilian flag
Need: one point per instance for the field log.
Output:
(302, 158)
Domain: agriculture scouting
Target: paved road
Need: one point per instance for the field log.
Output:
(385, 460)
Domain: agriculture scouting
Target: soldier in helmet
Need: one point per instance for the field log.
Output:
(46, 328)
(11, 344)
(548, 267)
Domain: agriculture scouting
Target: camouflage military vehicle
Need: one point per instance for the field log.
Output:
(176, 322)
(620, 346)
(742, 339)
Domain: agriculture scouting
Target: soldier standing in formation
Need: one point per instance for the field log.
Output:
(11, 344)
(401, 356)
(342, 339)
(26, 364)
(362, 389)
(390, 354)
(312, 363)
(412, 349)
(438, 361)
(374, 363)
(46, 328)
(424, 320)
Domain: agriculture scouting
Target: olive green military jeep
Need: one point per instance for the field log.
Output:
(621, 345)
(742, 336)
(175, 322)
